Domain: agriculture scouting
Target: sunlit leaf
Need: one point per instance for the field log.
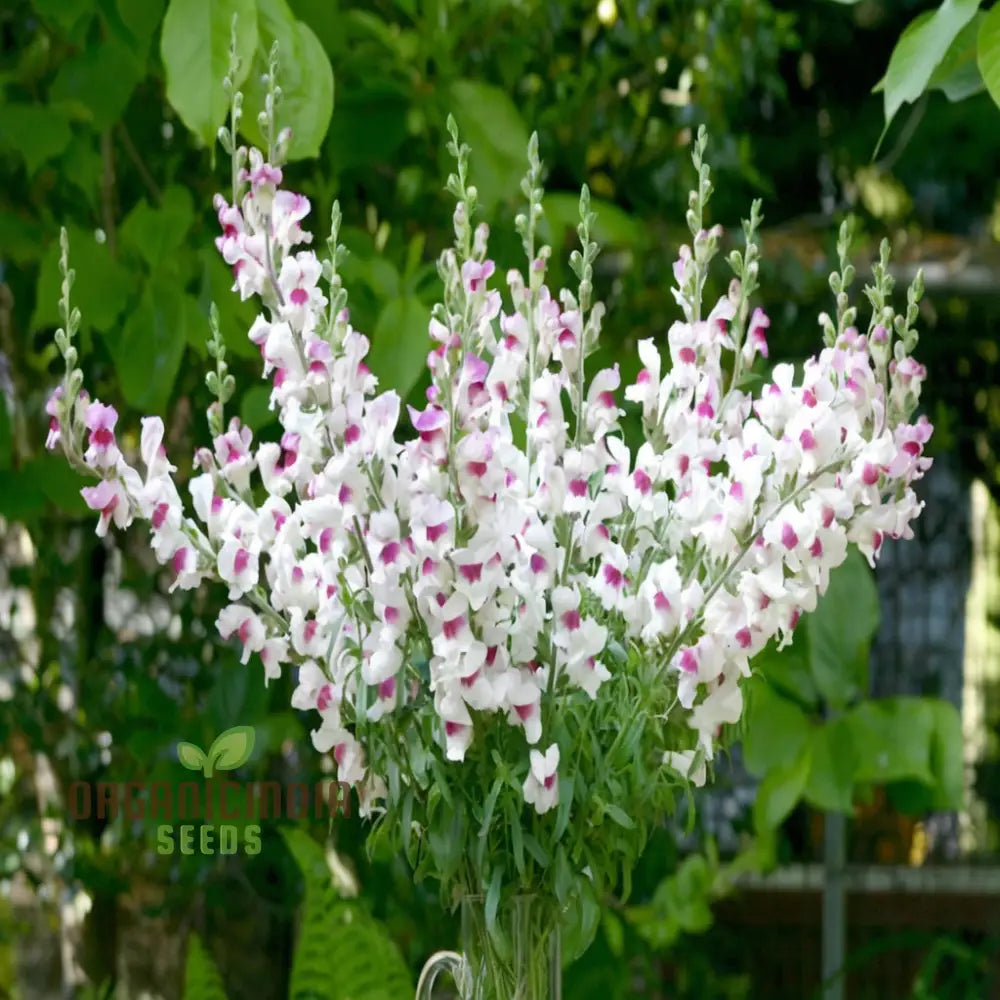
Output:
(988, 54)
(194, 46)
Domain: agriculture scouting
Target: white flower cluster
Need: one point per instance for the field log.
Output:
(514, 536)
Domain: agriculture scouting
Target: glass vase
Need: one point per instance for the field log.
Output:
(518, 959)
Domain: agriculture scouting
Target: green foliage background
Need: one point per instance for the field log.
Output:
(108, 109)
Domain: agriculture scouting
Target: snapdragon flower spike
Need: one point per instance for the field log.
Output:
(511, 563)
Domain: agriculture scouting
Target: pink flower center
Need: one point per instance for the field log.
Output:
(453, 626)
(324, 698)
(160, 515)
(788, 537)
(571, 619)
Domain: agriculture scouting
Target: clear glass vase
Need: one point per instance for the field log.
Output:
(519, 959)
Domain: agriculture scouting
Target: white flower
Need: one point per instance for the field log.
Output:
(541, 787)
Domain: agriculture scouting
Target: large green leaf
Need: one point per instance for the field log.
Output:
(776, 729)
(840, 629)
(788, 670)
(400, 345)
(780, 791)
(194, 46)
(34, 131)
(304, 75)
(148, 350)
(488, 120)
(893, 737)
(135, 21)
(957, 75)
(830, 785)
(101, 290)
(369, 126)
(988, 55)
(920, 50)
(157, 234)
(947, 755)
(101, 77)
(67, 14)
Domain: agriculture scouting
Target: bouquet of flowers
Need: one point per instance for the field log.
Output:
(518, 636)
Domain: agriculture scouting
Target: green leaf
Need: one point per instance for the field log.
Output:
(59, 483)
(780, 790)
(619, 815)
(20, 498)
(488, 120)
(788, 670)
(840, 629)
(101, 289)
(893, 737)
(988, 54)
(101, 77)
(147, 353)
(194, 47)
(947, 755)
(201, 978)
(36, 132)
(920, 50)
(139, 19)
(157, 234)
(493, 897)
(400, 345)
(22, 237)
(614, 931)
(958, 76)
(830, 785)
(304, 75)
(776, 729)
(516, 838)
(231, 749)
(369, 126)
(191, 756)
(67, 14)
(254, 409)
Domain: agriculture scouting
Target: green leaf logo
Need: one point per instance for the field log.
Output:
(231, 748)
(228, 751)
(191, 756)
